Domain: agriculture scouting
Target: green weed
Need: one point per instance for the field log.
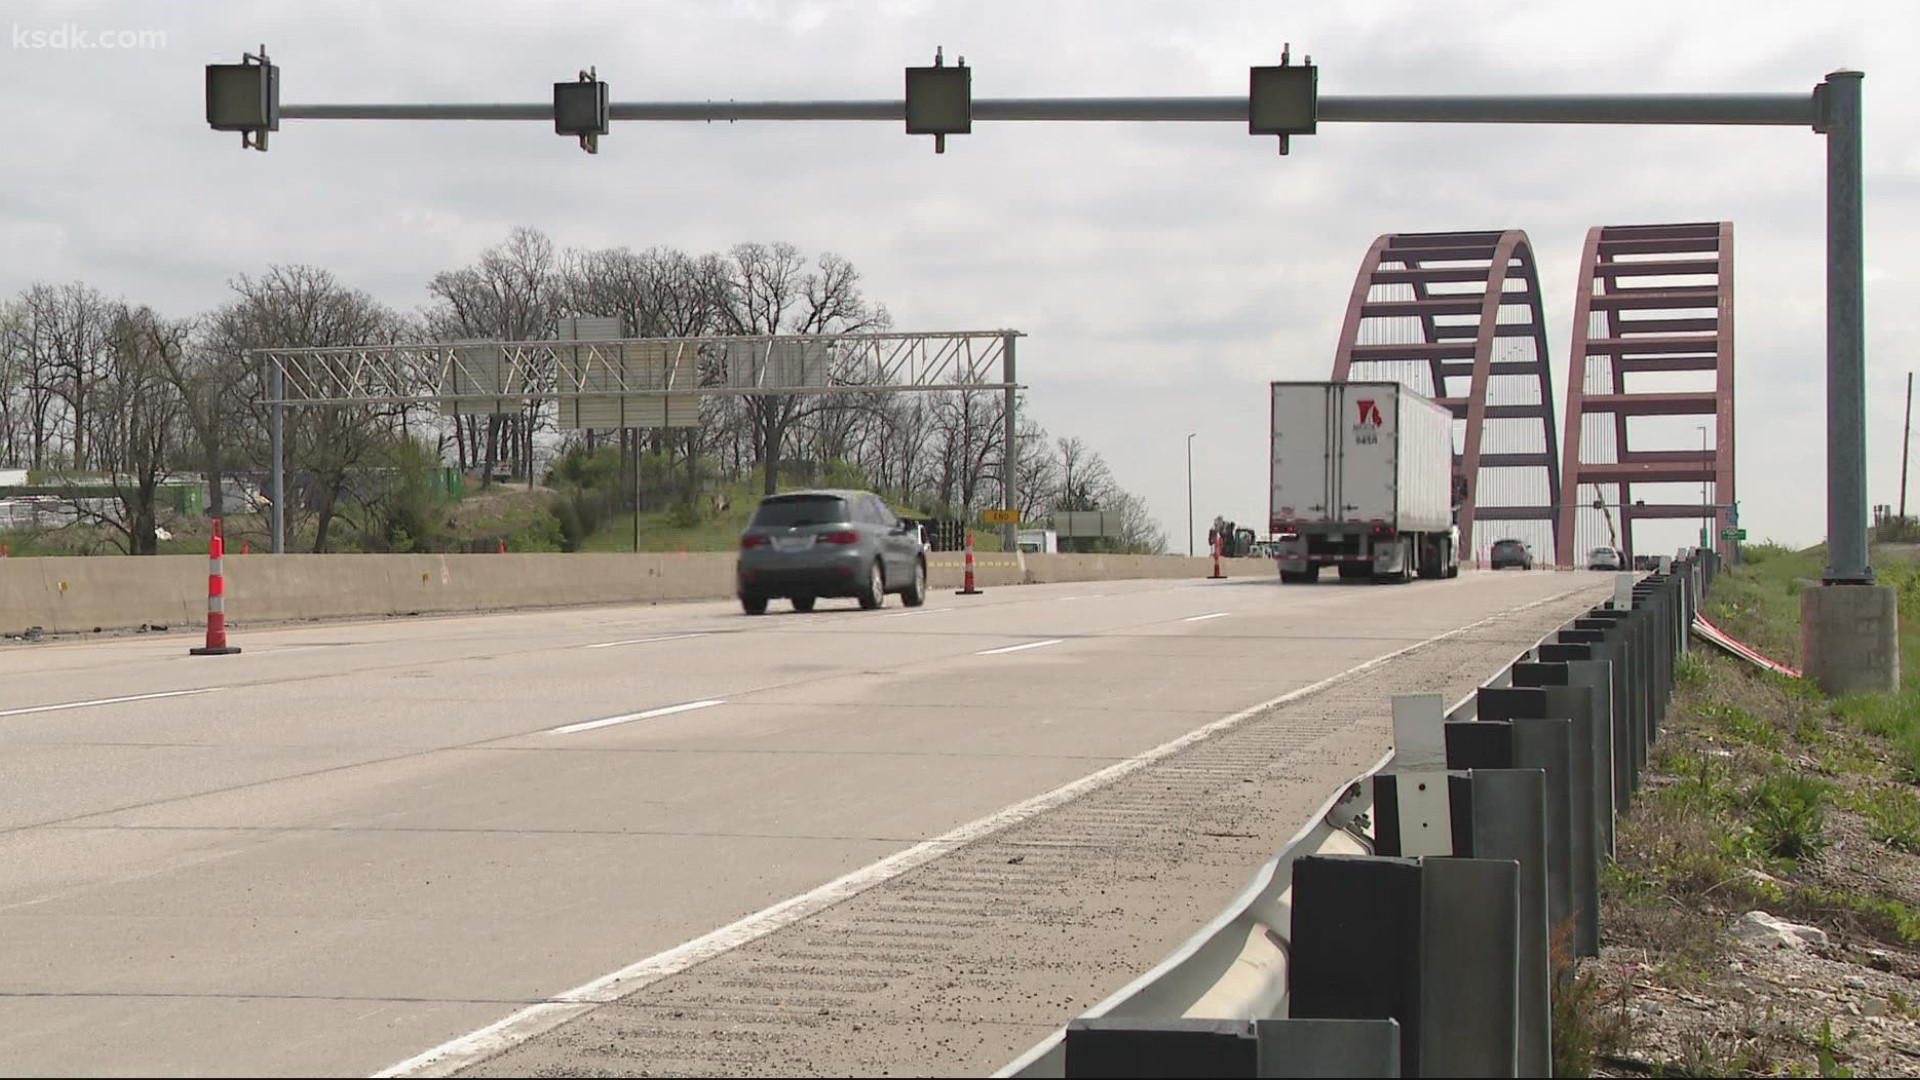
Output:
(1790, 814)
(1893, 818)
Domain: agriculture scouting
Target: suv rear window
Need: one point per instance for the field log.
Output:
(784, 511)
(1508, 545)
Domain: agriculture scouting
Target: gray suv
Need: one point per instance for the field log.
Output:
(810, 544)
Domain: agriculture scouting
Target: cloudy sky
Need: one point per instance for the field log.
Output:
(1163, 273)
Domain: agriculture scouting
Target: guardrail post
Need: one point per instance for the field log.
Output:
(1597, 677)
(1575, 704)
(1143, 1047)
(1510, 822)
(1424, 812)
(1654, 598)
(1512, 733)
(1327, 1048)
(1624, 630)
(1469, 967)
(1608, 647)
(1355, 944)
(1432, 943)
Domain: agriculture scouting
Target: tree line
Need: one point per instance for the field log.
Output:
(108, 389)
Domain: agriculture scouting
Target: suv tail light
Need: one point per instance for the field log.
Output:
(843, 536)
(753, 541)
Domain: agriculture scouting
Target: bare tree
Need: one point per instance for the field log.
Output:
(303, 306)
(137, 424)
(14, 417)
(1037, 466)
(1139, 533)
(660, 292)
(1085, 481)
(513, 292)
(770, 290)
(59, 342)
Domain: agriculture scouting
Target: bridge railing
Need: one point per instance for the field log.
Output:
(1406, 930)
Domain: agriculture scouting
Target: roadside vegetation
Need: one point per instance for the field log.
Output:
(1765, 803)
(122, 429)
(581, 504)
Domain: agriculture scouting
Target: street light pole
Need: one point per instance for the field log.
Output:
(1706, 521)
(1190, 436)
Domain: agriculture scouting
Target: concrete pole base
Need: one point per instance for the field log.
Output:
(1850, 637)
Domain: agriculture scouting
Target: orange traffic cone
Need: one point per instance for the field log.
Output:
(216, 600)
(969, 590)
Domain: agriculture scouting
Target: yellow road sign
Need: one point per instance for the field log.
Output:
(1000, 517)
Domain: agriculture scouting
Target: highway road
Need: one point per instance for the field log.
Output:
(355, 843)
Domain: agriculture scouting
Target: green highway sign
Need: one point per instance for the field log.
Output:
(1733, 534)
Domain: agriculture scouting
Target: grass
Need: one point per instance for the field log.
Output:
(1754, 781)
(1893, 817)
(1585, 1024)
(660, 532)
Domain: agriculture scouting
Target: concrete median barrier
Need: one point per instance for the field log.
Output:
(67, 595)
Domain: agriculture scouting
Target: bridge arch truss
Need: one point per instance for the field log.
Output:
(1651, 376)
(1457, 316)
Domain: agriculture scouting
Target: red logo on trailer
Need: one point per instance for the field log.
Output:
(1366, 431)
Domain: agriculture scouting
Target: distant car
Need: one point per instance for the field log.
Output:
(809, 544)
(1603, 558)
(1510, 553)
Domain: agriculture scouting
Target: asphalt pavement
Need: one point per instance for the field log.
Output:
(355, 842)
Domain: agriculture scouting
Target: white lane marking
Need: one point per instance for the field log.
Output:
(108, 701)
(1204, 618)
(644, 640)
(915, 611)
(1018, 648)
(538, 1019)
(627, 718)
(1064, 599)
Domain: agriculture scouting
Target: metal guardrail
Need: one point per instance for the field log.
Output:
(1236, 968)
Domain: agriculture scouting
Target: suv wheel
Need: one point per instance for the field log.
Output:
(803, 604)
(753, 605)
(875, 592)
(916, 591)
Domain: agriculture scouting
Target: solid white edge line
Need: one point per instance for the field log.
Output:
(1019, 648)
(537, 1019)
(109, 701)
(644, 640)
(627, 718)
(1209, 615)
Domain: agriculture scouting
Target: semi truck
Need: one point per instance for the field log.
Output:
(1362, 481)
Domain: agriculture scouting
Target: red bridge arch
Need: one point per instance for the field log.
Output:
(1457, 316)
(1654, 302)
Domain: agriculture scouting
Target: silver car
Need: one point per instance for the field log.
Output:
(1603, 558)
(809, 544)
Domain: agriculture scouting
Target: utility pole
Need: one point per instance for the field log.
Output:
(1190, 436)
(1906, 442)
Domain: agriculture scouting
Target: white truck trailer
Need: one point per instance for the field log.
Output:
(1363, 481)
